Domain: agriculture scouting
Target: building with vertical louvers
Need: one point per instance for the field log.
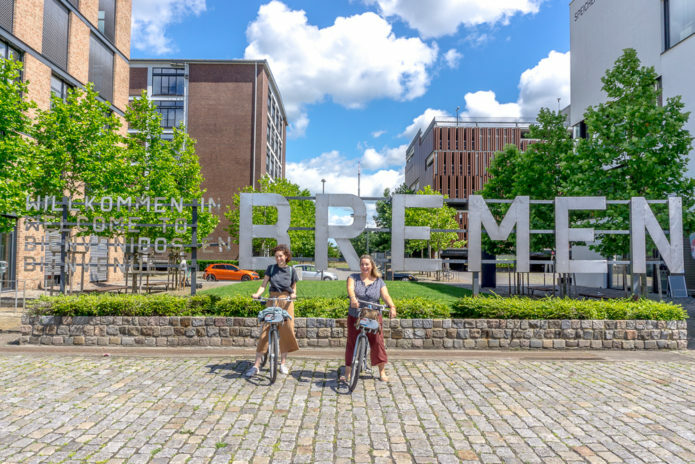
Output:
(453, 156)
(63, 44)
(234, 111)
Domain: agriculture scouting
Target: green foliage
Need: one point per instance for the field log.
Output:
(302, 215)
(565, 308)
(408, 308)
(161, 168)
(15, 149)
(540, 173)
(435, 218)
(78, 147)
(421, 308)
(634, 147)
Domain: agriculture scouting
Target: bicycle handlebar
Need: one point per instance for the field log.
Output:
(274, 298)
(371, 305)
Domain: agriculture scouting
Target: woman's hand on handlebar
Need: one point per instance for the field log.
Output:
(354, 303)
(293, 296)
(256, 295)
(392, 312)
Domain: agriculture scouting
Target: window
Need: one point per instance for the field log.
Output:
(9, 53)
(107, 18)
(171, 111)
(55, 33)
(167, 81)
(6, 14)
(101, 68)
(59, 88)
(679, 21)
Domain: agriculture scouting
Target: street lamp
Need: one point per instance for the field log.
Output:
(457, 115)
(323, 185)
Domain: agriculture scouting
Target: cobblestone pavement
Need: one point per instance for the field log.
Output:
(75, 408)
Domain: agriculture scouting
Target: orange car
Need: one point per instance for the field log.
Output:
(228, 272)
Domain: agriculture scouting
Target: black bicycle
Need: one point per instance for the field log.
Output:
(273, 316)
(367, 324)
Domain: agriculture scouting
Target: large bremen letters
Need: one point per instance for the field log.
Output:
(323, 231)
(248, 230)
(641, 219)
(564, 235)
(479, 214)
(400, 232)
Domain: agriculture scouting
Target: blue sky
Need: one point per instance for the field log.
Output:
(359, 77)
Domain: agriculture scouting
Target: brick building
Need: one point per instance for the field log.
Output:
(63, 44)
(453, 156)
(233, 109)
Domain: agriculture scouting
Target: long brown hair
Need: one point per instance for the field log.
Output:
(375, 270)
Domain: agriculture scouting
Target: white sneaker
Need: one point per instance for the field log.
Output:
(284, 369)
(253, 370)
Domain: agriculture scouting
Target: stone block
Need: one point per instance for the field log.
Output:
(324, 332)
(493, 343)
(114, 340)
(127, 341)
(78, 340)
(212, 331)
(481, 343)
(559, 344)
(536, 343)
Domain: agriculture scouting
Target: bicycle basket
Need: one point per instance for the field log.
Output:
(368, 324)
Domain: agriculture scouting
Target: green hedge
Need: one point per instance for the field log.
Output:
(408, 308)
(566, 308)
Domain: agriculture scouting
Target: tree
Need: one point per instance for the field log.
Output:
(380, 241)
(634, 147)
(78, 147)
(435, 218)
(302, 215)
(16, 151)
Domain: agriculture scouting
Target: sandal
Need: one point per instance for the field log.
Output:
(343, 379)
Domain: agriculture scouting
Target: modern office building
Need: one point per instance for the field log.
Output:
(233, 109)
(453, 156)
(663, 34)
(62, 44)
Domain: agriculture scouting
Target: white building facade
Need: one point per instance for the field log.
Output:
(663, 34)
(661, 31)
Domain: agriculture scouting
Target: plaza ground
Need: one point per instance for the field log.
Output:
(76, 405)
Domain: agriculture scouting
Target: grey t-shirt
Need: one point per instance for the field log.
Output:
(281, 278)
(370, 293)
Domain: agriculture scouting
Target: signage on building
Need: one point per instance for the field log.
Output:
(642, 221)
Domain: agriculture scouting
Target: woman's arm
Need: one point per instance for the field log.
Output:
(351, 293)
(387, 298)
(293, 295)
(261, 289)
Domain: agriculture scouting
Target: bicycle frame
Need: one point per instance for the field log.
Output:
(359, 355)
(273, 316)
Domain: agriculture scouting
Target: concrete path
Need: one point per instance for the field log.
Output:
(195, 406)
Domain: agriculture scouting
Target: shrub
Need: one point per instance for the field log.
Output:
(566, 308)
(408, 308)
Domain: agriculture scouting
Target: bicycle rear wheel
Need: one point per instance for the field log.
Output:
(273, 353)
(357, 360)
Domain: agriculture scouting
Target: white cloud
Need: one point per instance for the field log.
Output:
(341, 175)
(452, 58)
(373, 159)
(423, 121)
(378, 133)
(539, 87)
(444, 17)
(353, 61)
(151, 18)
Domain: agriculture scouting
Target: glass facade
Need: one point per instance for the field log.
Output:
(171, 111)
(679, 17)
(167, 81)
(7, 258)
(273, 160)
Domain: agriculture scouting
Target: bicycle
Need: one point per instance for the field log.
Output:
(365, 325)
(273, 316)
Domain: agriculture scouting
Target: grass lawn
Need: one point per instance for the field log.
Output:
(336, 289)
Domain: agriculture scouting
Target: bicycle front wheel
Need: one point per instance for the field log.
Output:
(357, 360)
(273, 353)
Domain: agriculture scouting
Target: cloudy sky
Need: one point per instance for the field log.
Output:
(359, 77)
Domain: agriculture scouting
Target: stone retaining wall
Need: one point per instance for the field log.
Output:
(398, 333)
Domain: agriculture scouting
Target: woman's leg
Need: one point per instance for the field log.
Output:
(377, 347)
(288, 340)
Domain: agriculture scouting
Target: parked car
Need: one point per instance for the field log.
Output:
(404, 276)
(309, 272)
(228, 272)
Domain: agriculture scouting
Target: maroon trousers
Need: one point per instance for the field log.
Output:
(376, 343)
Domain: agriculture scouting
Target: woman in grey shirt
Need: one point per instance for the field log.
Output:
(367, 286)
